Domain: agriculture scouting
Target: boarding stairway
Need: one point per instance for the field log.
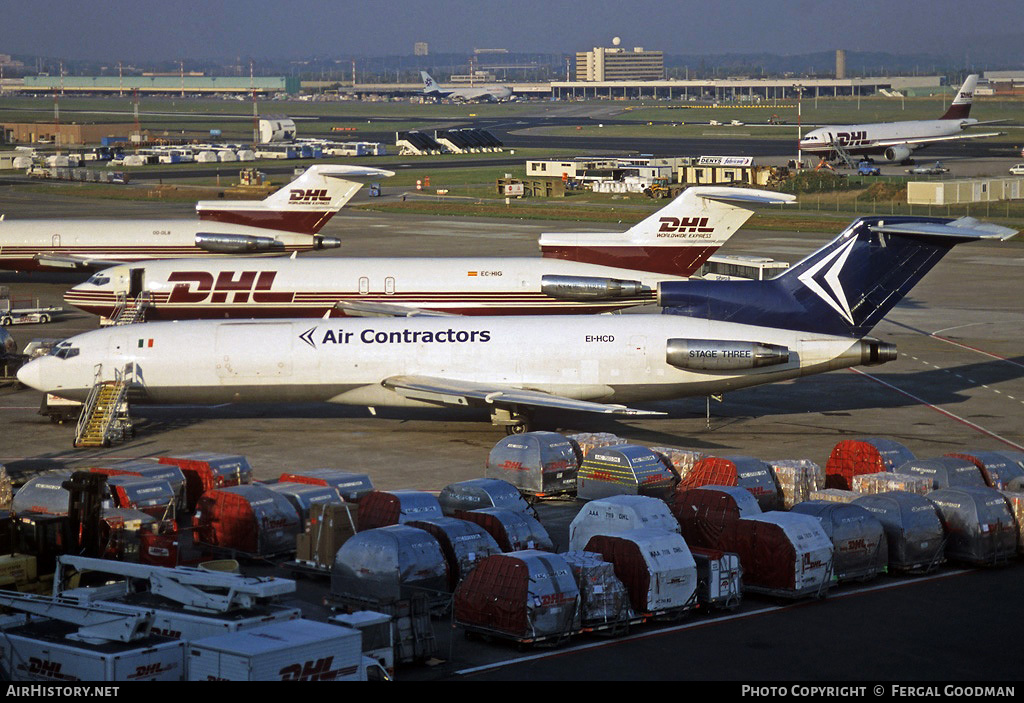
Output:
(130, 310)
(843, 155)
(104, 419)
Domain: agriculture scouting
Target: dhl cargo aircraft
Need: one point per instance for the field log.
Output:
(578, 273)
(717, 336)
(896, 141)
(286, 221)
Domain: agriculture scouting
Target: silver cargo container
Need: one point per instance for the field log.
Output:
(980, 529)
(304, 496)
(624, 469)
(482, 493)
(463, 543)
(912, 528)
(389, 564)
(945, 471)
(537, 463)
(860, 548)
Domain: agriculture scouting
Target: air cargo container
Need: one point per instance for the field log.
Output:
(783, 554)
(482, 493)
(512, 530)
(43, 494)
(525, 596)
(679, 461)
(303, 496)
(944, 471)
(618, 514)
(656, 567)
(205, 471)
(980, 529)
(743, 471)
(149, 469)
(463, 543)
(299, 650)
(704, 512)
(351, 487)
(719, 578)
(155, 497)
(997, 468)
(860, 549)
(540, 464)
(917, 541)
(250, 519)
(384, 508)
(852, 457)
(623, 469)
(389, 564)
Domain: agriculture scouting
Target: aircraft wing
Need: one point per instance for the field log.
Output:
(369, 308)
(467, 393)
(933, 140)
(74, 263)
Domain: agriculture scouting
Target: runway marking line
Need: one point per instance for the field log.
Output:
(691, 625)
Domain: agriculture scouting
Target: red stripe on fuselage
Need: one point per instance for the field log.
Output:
(302, 222)
(671, 260)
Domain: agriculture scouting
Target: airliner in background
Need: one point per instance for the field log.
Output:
(493, 93)
(896, 141)
(717, 336)
(586, 272)
(288, 220)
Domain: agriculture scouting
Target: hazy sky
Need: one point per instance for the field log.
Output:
(136, 30)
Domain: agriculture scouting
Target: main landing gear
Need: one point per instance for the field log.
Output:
(514, 422)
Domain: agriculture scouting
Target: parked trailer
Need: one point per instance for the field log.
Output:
(24, 311)
(299, 650)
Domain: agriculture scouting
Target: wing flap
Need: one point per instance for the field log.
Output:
(453, 392)
(371, 308)
(75, 262)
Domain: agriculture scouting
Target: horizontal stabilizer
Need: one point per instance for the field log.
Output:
(962, 228)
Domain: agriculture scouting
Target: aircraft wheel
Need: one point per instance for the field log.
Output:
(520, 427)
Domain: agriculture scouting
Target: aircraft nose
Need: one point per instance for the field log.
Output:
(29, 375)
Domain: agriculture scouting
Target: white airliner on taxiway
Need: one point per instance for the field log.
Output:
(286, 221)
(495, 93)
(896, 141)
(585, 272)
(717, 336)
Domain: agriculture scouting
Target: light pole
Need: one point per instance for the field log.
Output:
(799, 126)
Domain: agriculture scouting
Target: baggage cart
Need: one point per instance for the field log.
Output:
(719, 578)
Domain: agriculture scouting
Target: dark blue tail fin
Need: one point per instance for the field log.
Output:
(844, 288)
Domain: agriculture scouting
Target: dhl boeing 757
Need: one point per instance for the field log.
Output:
(713, 337)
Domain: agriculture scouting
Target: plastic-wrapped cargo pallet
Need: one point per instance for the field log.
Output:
(351, 487)
(463, 543)
(885, 481)
(997, 468)
(250, 518)
(388, 564)
(1015, 502)
(383, 508)
(6, 489)
(603, 598)
(912, 527)
(944, 471)
(656, 567)
(482, 493)
(527, 596)
(617, 514)
(834, 495)
(852, 457)
(703, 512)
(746, 472)
(860, 549)
(783, 554)
(623, 469)
(512, 530)
(980, 529)
(797, 478)
(682, 460)
(537, 463)
(586, 442)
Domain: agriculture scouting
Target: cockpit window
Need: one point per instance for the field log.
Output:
(64, 350)
(99, 280)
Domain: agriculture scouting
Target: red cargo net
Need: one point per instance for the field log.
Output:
(494, 596)
(849, 458)
(703, 514)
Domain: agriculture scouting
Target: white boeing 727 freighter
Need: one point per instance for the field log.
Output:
(288, 220)
(718, 336)
(588, 272)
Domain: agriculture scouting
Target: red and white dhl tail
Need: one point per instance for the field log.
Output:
(583, 272)
(286, 221)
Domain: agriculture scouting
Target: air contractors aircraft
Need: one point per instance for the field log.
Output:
(580, 273)
(896, 141)
(286, 221)
(495, 93)
(718, 336)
